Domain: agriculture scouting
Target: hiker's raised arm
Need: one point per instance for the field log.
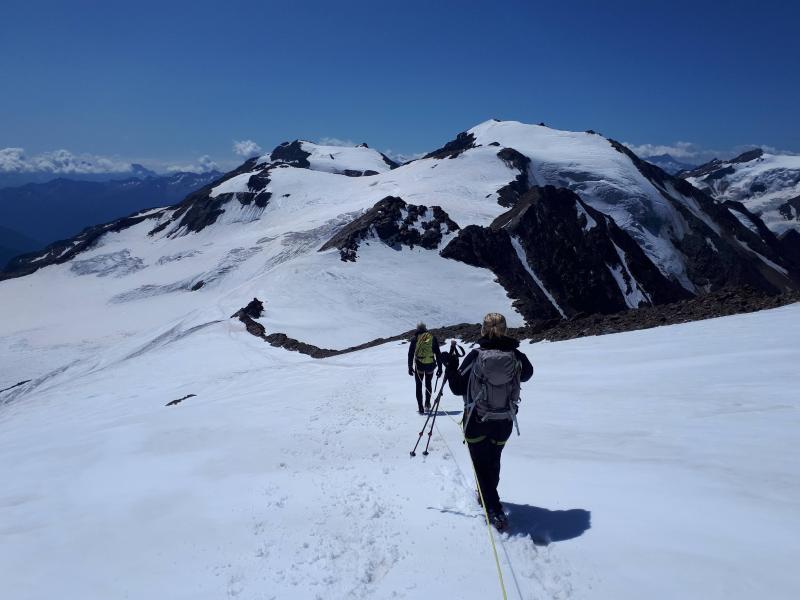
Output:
(458, 376)
(527, 367)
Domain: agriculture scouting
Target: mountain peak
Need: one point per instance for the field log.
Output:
(748, 156)
(354, 161)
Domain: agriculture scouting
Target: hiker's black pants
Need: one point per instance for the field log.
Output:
(423, 372)
(486, 441)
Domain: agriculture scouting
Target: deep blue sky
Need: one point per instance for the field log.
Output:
(172, 80)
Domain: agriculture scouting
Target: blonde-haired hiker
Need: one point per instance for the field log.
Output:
(489, 380)
(423, 358)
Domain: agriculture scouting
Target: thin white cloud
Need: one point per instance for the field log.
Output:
(61, 162)
(246, 148)
(677, 150)
(204, 164)
(334, 141)
(694, 153)
(736, 150)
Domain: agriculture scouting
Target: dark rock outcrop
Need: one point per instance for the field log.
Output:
(259, 181)
(199, 209)
(291, 153)
(254, 309)
(790, 245)
(720, 303)
(179, 400)
(579, 256)
(716, 168)
(767, 235)
(11, 387)
(748, 156)
(509, 194)
(790, 210)
(392, 164)
(463, 142)
(396, 224)
(355, 173)
(492, 249)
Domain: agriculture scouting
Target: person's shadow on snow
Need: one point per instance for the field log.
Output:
(546, 526)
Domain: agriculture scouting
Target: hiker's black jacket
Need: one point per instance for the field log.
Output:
(412, 349)
(458, 377)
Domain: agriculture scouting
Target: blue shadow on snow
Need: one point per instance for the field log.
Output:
(546, 526)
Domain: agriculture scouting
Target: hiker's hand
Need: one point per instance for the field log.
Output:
(439, 372)
(411, 371)
(452, 345)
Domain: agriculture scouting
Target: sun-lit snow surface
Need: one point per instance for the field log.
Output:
(337, 159)
(762, 185)
(289, 477)
(132, 282)
(108, 294)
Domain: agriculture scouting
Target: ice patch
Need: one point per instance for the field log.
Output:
(630, 288)
(116, 264)
(745, 220)
(177, 256)
(590, 222)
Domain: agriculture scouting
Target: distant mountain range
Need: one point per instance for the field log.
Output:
(764, 183)
(669, 163)
(18, 178)
(37, 214)
(346, 245)
(13, 243)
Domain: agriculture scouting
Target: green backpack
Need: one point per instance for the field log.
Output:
(424, 350)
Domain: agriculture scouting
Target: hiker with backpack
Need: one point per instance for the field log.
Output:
(424, 358)
(489, 380)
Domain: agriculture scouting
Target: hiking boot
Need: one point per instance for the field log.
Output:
(419, 409)
(428, 405)
(498, 519)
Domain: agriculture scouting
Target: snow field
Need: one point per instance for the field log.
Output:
(660, 463)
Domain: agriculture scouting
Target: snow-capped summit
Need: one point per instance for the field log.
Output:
(353, 161)
(346, 246)
(766, 184)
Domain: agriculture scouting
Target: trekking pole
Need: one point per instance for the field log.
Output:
(414, 449)
(425, 424)
(435, 412)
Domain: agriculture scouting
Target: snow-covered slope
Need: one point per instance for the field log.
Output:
(767, 184)
(658, 464)
(345, 246)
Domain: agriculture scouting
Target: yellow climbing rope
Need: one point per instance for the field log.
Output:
(483, 505)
